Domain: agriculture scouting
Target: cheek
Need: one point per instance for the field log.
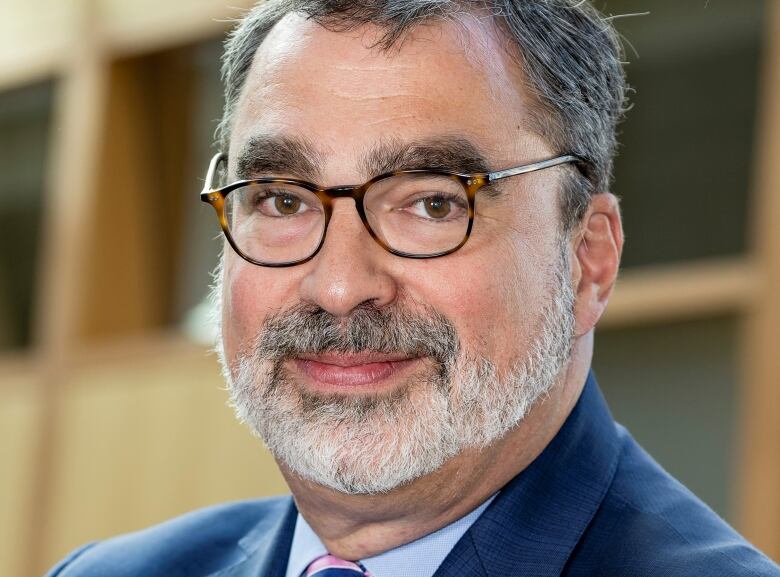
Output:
(469, 292)
(492, 299)
(250, 294)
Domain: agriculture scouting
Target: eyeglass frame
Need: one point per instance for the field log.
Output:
(471, 183)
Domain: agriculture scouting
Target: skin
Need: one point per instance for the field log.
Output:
(344, 97)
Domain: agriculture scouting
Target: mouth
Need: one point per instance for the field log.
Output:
(364, 371)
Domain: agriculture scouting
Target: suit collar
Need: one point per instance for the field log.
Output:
(267, 545)
(536, 521)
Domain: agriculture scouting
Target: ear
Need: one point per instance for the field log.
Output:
(597, 246)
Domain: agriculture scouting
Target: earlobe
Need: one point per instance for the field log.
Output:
(597, 253)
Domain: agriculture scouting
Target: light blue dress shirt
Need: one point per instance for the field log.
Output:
(419, 558)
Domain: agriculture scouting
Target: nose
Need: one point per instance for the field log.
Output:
(351, 269)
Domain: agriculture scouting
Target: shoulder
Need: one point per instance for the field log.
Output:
(650, 524)
(205, 540)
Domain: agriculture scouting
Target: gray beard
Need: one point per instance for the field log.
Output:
(370, 445)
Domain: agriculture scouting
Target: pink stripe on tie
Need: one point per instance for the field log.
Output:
(326, 562)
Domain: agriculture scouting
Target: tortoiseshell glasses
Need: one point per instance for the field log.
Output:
(279, 222)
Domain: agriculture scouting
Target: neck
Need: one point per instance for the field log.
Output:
(361, 526)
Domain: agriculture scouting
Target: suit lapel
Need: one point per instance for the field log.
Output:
(463, 560)
(267, 546)
(535, 522)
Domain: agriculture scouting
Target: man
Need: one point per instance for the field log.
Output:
(415, 350)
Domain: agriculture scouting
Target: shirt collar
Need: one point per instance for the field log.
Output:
(306, 547)
(421, 557)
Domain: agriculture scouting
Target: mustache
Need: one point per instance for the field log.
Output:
(309, 329)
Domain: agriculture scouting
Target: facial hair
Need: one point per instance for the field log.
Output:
(374, 444)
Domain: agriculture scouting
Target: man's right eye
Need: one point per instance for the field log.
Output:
(279, 204)
(286, 204)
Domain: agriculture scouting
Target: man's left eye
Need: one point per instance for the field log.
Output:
(437, 208)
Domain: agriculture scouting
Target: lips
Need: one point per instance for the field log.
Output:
(365, 370)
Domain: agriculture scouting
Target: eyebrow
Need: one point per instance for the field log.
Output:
(451, 153)
(295, 156)
(278, 155)
(448, 153)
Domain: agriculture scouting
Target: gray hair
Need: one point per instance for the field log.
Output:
(570, 54)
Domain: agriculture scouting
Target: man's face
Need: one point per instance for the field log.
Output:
(474, 337)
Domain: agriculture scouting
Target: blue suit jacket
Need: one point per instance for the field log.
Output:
(593, 503)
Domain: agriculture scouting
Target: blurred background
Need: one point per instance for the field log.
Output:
(112, 411)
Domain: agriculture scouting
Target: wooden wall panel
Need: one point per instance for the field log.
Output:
(143, 440)
(759, 472)
(120, 292)
(137, 217)
(78, 118)
(20, 410)
(668, 293)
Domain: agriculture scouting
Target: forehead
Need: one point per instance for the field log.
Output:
(340, 91)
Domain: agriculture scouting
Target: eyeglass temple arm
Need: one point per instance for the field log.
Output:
(208, 186)
(533, 167)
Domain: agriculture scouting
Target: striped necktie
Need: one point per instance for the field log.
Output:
(330, 566)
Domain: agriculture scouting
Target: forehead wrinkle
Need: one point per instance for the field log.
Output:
(360, 96)
(371, 67)
(397, 119)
